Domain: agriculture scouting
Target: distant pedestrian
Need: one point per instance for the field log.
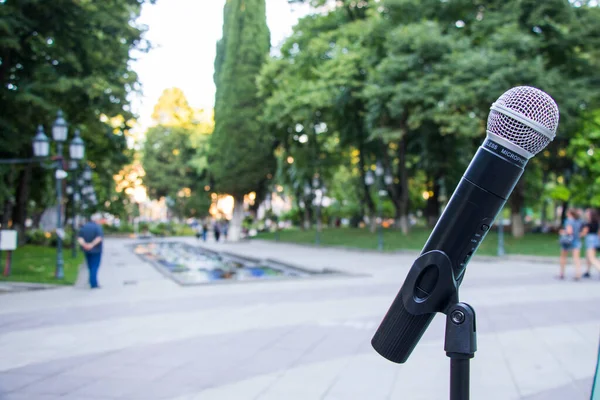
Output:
(225, 229)
(204, 231)
(90, 238)
(590, 233)
(217, 231)
(570, 241)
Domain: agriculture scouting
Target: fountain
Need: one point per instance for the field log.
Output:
(194, 265)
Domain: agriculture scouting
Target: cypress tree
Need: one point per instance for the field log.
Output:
(241, 153)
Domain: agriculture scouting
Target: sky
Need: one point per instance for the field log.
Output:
(184, 34)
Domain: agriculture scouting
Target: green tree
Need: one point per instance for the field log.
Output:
(167, 156)
(174, 154)
(241, 151)
(173, 109)
(69, 55)
(410, 82)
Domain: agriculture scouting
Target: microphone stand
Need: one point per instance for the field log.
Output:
(433, 270)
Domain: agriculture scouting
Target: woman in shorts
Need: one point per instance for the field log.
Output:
(570, 242)
(590, 235)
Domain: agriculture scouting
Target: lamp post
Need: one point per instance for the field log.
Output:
(41, 152)
(41, 149)
(76, 153)
(501, 251)
(72, 192)
(383, 178)
(59, 134)
(369, 181)
(307, 200)
(379, 175)
(318, 197)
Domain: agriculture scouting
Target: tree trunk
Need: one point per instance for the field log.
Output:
(517, 225)
(36, 219)
(7, 209)
(404, 197)
(306, 224)
(235, 228)
(372, 224)
(544, 210)
(544, 213)
(368, 200)
(432, 208)
(517, 200)
(7, 213)
(20, 211)
(563, 214)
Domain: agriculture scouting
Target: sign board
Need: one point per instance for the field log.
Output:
(8, 240)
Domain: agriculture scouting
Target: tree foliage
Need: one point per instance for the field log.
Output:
(241, 150)
(410, 82)
(174, 154)
(73, 56)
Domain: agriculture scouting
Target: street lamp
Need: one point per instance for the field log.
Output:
(59, 129)
(41, 144)
(87, 173)
(318, 198)
(382, 177)
(59, 134)
(77, 152)
(77, 147)
(378, 169)
(388, 179)
(369, 178)
(501, 251)
(41, 151)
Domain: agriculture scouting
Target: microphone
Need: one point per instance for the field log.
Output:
(521, 123)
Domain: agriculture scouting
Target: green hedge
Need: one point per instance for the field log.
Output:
(40, 237)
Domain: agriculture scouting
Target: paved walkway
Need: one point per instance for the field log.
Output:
(143, 337)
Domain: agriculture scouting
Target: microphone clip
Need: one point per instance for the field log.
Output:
(430, 285)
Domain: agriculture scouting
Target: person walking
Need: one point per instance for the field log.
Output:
(90, 239)
(570, 241)
(590, 233)
(217, 231)
(204, 230)
(225, 229)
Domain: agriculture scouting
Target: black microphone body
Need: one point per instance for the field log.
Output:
(482, 192)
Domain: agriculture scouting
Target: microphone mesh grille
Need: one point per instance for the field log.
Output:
(531, 103)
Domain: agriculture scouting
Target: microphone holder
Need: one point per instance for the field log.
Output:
(460, 345)
(431, 287)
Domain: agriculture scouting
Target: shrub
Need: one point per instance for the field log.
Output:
(126, 228)
(248, 222)
(295, 215)
(110, 228)
(41, 238)
(37, 237)
(143, 227)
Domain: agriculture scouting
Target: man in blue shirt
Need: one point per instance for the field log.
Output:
(90, 239)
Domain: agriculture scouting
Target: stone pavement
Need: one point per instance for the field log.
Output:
(143, 337)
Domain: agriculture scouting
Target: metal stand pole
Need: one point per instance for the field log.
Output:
(459, 379)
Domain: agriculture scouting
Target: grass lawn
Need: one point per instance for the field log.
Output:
(532, 244)
(37, 264)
